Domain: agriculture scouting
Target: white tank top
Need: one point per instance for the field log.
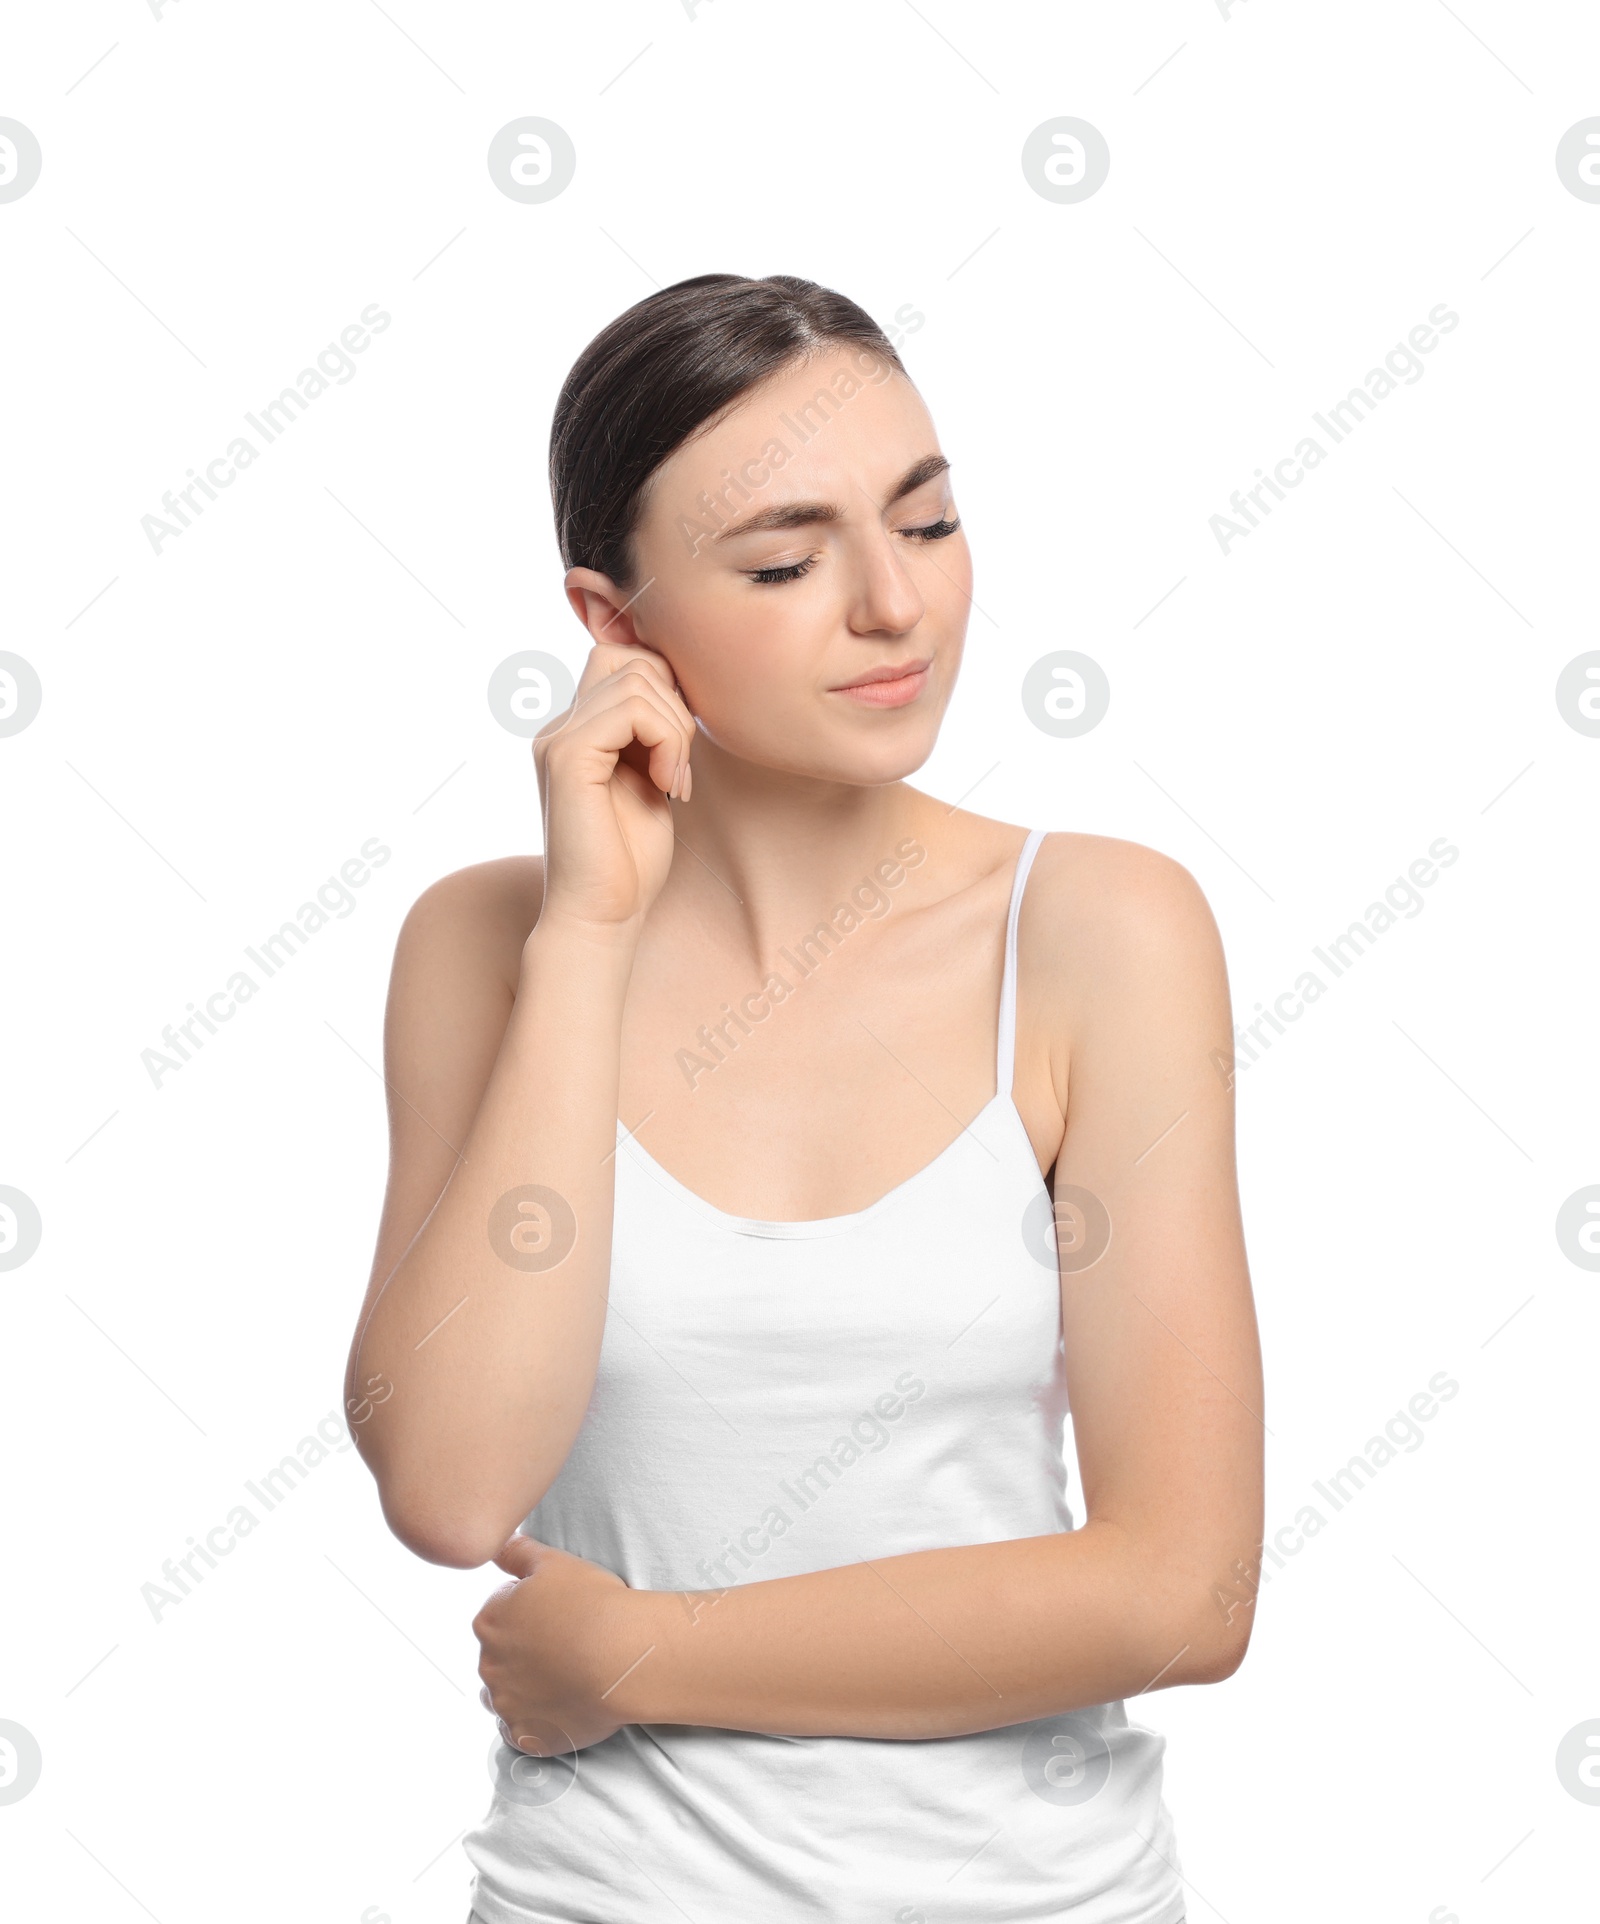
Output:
(774, 1398)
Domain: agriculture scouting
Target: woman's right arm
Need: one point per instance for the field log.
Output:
(476, 1349)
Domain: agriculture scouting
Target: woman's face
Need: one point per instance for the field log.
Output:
(802, 570)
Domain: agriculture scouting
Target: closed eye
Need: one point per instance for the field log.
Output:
(793, 571)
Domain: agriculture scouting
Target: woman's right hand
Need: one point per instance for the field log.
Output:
(608, 770)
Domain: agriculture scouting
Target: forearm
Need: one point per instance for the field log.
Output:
(933, 1644)
(474, 1368)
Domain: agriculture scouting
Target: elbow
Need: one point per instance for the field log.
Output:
(1218, 1663)
(1184, 1629)
(439, 1518)
(453, 1538)
(439, 1525)
(448, 1514)
(1214, 1636)
(1188, 1633)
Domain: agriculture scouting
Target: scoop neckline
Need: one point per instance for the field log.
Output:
(808, 1226)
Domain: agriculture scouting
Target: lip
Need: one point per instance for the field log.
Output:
(891, 686)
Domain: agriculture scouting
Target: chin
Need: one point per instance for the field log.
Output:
(870, 764)
(889, 748)
(875, 771)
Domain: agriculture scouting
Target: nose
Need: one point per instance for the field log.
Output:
(884, 598)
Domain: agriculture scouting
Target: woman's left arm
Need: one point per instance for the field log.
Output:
(1164, 1375)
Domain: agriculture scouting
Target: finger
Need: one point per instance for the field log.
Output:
(605, 664)
(519, 1555)
(495, 1596)
(614, 720)
(549, 1740)
(629, 683)
(635, 677)
(608, 657)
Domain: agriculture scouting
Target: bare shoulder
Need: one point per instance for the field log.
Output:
(1114, 918)
(474, 921)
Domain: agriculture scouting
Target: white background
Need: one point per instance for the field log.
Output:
(226, 722)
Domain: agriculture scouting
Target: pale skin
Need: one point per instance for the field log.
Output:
(712, 792)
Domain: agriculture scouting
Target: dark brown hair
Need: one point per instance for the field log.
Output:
(670, 365)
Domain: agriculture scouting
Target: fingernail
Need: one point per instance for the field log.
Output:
(688, 782)
(677, 777)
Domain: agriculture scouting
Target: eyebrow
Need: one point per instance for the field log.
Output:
(801, 514)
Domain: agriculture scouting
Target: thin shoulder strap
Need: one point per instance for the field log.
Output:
(1005, 1060)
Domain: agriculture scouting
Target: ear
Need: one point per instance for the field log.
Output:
(603, 608)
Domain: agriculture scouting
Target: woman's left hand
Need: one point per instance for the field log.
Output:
(554, 1645)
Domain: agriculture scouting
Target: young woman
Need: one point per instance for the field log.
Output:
(772, 1162)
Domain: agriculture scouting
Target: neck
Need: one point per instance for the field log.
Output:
(775, 850)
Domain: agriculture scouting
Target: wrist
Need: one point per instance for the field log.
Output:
(638, 1632)
(564, 941)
